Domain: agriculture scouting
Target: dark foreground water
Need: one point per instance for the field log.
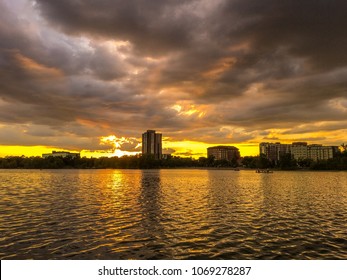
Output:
(172, 214)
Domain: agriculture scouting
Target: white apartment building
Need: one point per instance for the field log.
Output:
(319, 152)
(299, 151)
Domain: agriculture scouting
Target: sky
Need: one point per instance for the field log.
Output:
(92, 76)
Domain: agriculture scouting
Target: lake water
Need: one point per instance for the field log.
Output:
(172, 214)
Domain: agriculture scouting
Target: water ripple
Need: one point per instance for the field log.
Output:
(172, 214)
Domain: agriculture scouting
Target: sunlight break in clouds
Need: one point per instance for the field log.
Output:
(122, 146)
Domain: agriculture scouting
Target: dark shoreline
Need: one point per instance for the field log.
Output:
(339, 163)
(273, 170)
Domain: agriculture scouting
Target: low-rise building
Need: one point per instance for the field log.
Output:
(223, 153)
(274, 151)
(61, 154)
(298, 150)
(319, 152)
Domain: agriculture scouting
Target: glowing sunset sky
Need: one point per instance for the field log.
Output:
(92, 76)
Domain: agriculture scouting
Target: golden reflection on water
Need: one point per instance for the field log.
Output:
(161, 214)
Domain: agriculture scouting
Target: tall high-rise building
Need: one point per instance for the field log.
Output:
(151, 144)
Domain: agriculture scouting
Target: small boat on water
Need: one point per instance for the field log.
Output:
(263, 171)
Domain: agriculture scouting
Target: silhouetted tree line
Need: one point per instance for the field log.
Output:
(287, 162)
(125, 162)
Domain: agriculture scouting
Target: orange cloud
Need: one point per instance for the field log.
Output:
(91, 123)
(219, 68)
(36, 68)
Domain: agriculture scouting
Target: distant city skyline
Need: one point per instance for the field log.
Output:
(152, 143)
(91, 76)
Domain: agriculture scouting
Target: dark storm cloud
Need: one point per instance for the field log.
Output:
(46, 96)
(153, 26)
(284, 40)
(27, 135)
(212, 135)
(311, 29)
(106, 66)
(248, 66)
(325, 126)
